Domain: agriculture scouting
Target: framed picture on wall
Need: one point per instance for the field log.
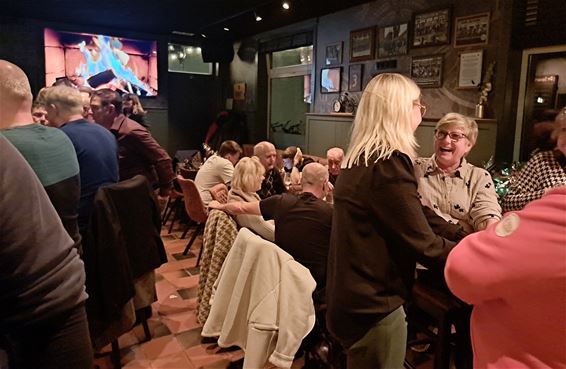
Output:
(330, 79)
(431, 28)
(333, 54)
(355, 77)
(362, 43)
(426, 71)
(469, 76)
(392, 40)
(472, 30)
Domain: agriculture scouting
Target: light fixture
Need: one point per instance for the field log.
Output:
(286, 5)
(203, 35)
(258, 18)
(226, 29)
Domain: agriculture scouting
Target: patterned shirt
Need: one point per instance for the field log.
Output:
(272, 184)
(543, 171)
(467, 196)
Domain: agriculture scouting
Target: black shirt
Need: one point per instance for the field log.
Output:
(302, 228)
(272, 184)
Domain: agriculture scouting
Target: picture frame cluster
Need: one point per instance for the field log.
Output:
(431, 28)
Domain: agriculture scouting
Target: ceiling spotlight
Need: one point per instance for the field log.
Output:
(286, 5)
(226, 29)
(203, 35)
(258, 18)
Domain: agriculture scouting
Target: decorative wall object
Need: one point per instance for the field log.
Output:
(393, 40)
(355, 77)
(333, 54)
(470, 69)
(431, 28)
(330, 79)
(362, 43)
(239, 91)
(472, 30)
(426, 71)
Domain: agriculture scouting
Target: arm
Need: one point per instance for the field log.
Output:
(238, 207)
(485, 209)
(452, 232)
(395, 203)
(148, 148)
(524, 188)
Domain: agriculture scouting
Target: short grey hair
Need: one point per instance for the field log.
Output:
(458, 120)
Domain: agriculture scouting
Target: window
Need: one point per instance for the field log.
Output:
(187, 59)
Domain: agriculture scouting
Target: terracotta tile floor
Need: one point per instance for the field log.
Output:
(176, 341)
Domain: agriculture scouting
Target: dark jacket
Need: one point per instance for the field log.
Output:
(379, 232)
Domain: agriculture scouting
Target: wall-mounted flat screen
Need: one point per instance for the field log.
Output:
(101, 61)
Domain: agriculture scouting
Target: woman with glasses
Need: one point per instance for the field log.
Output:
(379, 228)
(455, 189)
(544, 170)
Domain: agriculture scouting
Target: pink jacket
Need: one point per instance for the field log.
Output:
(514, 273)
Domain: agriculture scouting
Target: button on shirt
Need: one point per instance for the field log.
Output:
(466, 196)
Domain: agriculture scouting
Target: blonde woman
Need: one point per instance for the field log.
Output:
(133, 109)
(379, 229)
(246, 181)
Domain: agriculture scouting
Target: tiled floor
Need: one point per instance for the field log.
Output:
(176, 341)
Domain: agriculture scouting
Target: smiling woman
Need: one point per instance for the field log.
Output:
(454, 189)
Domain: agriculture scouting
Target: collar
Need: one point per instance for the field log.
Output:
(81, 120)
(117, 124)
(461, 172)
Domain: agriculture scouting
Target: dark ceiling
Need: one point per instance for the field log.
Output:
(168, 17)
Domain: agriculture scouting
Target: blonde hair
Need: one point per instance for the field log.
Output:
(137, 107)
(384, 120)
(461, 121)
(246, 173)
(558, 122)
(67, 99)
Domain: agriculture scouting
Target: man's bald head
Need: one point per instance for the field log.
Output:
(266, 153)
(314, 174)
(15, 95)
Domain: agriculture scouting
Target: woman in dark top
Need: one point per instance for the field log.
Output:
(133, 109)
(379, 229)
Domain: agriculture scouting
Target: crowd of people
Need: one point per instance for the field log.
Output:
(361, 222)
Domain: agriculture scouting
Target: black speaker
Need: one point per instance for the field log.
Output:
(215, 51)
(247, 50)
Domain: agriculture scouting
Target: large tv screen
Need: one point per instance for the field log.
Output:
(101, 61)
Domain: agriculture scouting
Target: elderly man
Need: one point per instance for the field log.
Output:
(139, 153)
(334, 158)
(273, 183)
(302, 223)
(48, 151)
(96, 147)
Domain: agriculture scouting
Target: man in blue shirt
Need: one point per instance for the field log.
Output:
(96, 147)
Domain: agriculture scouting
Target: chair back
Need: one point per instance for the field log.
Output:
(193, 202)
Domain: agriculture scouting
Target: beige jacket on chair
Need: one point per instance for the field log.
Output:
(262, 302)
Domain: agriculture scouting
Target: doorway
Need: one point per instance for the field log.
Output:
(541, 95)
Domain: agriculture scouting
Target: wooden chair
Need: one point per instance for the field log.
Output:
(195, 209)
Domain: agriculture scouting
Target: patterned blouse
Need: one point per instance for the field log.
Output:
(543, 171)
(467, 196)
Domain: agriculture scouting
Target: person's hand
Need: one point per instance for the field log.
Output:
(298, 157)
(214, 205)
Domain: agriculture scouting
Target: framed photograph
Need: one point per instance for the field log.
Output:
(426, 71)
(392, 40)
(470, 69)
(472, 30)
(330, 79)
(362, 43)
(432, 28)
(333, 54)
(355, 77)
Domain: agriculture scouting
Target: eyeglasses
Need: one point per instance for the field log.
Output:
(454, 136)
(422, 107)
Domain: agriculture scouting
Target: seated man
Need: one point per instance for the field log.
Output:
(218, 169)
(334, 158)
(272, 183)
(302, 223)
(96, 147)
